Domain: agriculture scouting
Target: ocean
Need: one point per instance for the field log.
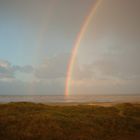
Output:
(71, 99)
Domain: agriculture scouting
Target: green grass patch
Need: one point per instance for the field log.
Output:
(30, 121)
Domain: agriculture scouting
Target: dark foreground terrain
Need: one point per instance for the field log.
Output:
(29, 121)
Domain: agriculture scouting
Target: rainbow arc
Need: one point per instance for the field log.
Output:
(78, 43)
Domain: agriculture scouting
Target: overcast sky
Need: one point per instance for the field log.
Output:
(37, 37)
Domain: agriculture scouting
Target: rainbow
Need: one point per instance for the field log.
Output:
(77, 45)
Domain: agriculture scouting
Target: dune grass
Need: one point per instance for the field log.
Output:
(30, 121)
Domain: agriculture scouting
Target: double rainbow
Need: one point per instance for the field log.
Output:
(77, 45)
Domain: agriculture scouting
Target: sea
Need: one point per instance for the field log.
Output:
(72, 99)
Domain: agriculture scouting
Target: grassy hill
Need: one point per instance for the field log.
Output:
(29, 121)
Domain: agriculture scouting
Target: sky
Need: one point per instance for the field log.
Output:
(37, 38)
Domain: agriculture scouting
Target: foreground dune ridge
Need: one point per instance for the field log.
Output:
(32, 121)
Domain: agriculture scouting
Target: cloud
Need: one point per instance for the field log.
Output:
(8, 71)
(49, 86)
(114, 71)
(14, 81)
(55, 67)
(82, 73)
(123, 64)
(106, 87)
(24, 69)
(35, 87)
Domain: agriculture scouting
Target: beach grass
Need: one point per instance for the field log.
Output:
(31, 121)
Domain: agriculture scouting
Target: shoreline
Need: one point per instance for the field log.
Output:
(73, 100)
(104, 104)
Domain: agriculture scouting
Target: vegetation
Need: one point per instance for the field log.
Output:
(29, 121)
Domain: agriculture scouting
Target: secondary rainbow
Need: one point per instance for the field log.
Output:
(77, 45)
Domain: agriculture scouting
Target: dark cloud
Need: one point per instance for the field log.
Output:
(7, 71)
(24, 69)
(50, 74)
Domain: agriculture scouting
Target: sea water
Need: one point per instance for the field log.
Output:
(70, 98)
